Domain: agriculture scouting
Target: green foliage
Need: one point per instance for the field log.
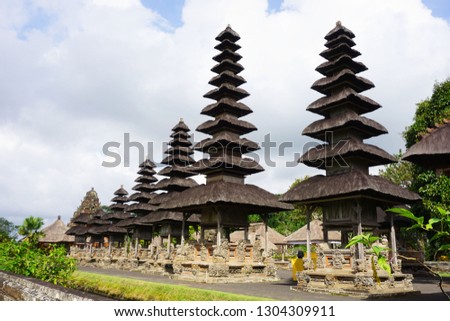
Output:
(429, 112)
(7, 229)
(434, 190)
(437, 227)
(30, 229)
(368, 240)
(50, 264)
(400, 173)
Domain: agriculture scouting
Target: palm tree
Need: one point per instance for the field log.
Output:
(30, 229)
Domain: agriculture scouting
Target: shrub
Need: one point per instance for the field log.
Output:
(50, 264)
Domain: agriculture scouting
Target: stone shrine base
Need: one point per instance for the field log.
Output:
(360, 284)
(224, 272)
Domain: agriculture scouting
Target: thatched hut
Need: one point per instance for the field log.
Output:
(316, 235)
(433, 150)
(55, 233)
(271, 239)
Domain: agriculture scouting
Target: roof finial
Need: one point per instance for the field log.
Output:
(59, 217)
(338, 23)
(181, 120)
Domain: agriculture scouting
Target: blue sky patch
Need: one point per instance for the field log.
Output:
(38, 19)
(439, 8)
(275, 5)
(169, 10)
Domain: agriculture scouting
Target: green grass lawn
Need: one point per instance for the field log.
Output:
(137, 290)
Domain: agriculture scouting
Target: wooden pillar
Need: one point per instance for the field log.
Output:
(219, 236)
(393, 241)
(265, 220)
(136, 241)
(246, 234)
(308, 232)
(202, 234)
(110, 245)
(359, 230)
(183, 223)
(169, 239)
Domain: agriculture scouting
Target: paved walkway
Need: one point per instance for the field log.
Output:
(428, 286)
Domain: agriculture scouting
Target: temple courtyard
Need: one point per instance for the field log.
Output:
(281, 290)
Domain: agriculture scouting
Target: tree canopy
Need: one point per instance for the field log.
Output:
(429, 112)
(7, 229)
(434, 189)
(30, 228)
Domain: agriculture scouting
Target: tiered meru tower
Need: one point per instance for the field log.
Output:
(178, 160)
(144, 189)
(225, 200)
(348, 195)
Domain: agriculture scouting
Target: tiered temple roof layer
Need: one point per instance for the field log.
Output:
(225, 196)
(344, 154)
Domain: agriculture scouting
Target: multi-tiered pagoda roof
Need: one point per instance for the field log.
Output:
(344, 154)
(226, 167)
(144, 189)
(178, 161)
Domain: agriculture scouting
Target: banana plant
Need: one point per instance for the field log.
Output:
(368, 240)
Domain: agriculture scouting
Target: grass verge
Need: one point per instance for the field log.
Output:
(137, 290)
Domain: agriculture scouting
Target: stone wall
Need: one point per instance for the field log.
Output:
(439, 266)
(15, 287)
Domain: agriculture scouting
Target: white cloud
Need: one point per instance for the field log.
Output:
(98, 69)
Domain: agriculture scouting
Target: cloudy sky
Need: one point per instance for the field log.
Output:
(79, 76)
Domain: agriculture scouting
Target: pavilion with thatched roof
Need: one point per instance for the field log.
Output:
(225, 201)
(55, 233)
(433, 149)
(316, 235)
(348, 194)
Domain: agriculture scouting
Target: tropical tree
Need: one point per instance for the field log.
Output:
(7, 229)
(434, 189)
(30, 229)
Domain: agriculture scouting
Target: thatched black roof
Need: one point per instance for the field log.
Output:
(227, 121)
(141, 208)
(77, 230)
(82, 218)
(327, 84)
(353, 184)
(248, 198)
(347, 120)
(345, 156)
(226, 146)
(226, 105)
(163, 197)
(322, 155)
(346, 97)
(116, 216)
(433, 150)
(165, 216)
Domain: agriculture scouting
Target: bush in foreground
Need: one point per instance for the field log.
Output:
(50, 264)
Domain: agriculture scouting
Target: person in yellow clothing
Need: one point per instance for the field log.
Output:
(297, 264)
